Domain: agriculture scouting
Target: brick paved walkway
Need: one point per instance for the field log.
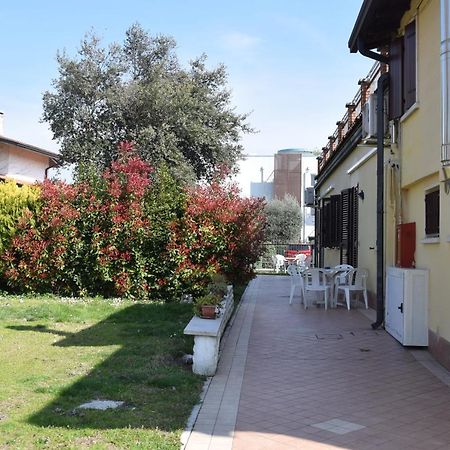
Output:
(320, 379)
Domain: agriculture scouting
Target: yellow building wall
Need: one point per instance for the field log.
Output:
(431, 255)
(365, 177)
(420, 165)
(420, 136)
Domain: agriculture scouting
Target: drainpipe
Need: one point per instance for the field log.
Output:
(52, 163)
(382, 85)
(445, 81)
(370, 54)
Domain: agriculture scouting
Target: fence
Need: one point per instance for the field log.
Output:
(287, 250)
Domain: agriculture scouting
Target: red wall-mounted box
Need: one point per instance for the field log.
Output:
(406, 245)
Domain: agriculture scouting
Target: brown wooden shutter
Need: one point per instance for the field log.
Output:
(396, 79)
(349, 227)
(345, 205)
(432, 213)
(335, 217)
(353, 232)
(318, 236)
(326, 222)
(409, 65)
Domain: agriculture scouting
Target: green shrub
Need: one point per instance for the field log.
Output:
(283, 220)
(135, 233)
(15, 201)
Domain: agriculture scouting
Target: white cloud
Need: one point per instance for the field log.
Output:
(240, 41)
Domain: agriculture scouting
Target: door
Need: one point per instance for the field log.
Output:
(394, 321)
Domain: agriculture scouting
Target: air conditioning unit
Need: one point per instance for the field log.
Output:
(369, 117)
(394, 129)
(309, 197)
(445, 155)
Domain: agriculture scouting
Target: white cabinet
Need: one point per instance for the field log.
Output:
(406, 315)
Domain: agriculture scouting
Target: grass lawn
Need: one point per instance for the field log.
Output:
(59, 353)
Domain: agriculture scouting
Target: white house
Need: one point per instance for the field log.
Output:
(24, 163)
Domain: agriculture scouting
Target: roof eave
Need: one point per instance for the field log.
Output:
(353, 41)
(32, 148)
(376, 22)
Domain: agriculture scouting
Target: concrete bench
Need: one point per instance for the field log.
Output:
(207, 334)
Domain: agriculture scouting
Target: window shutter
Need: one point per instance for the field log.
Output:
(349, 227)
(330, 219)
(318, 236)
(409, 66)
(396, 78)
(345, 204)
(335, 214)
(353, 232)
(323, 223)
(432, 213)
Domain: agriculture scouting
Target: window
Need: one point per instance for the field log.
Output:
(338, 228)
(409, 66)
(331, 221)
(402, 68)
(432, 213)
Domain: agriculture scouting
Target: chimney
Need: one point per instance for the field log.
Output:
(331, 140)
(1, 124)
(364, 83)
(351, 113)
(340, 128)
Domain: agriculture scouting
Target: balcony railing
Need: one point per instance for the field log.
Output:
(351, 117)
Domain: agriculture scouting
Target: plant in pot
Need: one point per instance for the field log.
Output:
(206, 305)
(218, 285)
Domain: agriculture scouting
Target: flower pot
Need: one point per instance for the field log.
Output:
(208, 312)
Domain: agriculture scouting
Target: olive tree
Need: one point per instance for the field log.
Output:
(138, 91)
(283, 220)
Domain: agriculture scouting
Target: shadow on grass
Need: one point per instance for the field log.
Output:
(145, 373)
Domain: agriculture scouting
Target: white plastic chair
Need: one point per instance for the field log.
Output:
(315, 280)
(343, 267)
(278, 262)
(300, 260)
(355, 282)
(295, 273)
(340, 277)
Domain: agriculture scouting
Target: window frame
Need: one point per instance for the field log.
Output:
(403, 54)
(432, 230)
(410, 73)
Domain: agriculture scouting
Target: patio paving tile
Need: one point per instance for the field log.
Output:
(315, 366)
(284, 370)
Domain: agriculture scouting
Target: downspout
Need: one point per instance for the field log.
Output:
(52, 163)
(370, 54)
(445, 82)
(382, 85)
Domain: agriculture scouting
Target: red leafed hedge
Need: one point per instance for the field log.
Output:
(133, 232)
(220, 232)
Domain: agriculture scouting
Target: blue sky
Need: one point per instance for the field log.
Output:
(287, 60)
